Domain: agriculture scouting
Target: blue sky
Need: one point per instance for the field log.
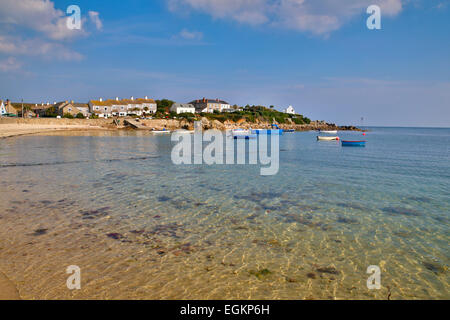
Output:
(316, 55)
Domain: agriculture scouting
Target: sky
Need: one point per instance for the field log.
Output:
(316, 55)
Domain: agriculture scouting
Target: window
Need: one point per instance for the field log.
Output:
(97, 108)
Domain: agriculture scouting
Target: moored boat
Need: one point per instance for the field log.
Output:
(347, 143)
(160, 131)
(322, 138)
(328, 131)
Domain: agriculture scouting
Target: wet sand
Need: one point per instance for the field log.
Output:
(8, 290)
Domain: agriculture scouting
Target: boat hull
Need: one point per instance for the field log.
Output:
(319, 138)
(346, 143)
(329, 131)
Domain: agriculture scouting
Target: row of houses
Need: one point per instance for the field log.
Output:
(202, 105)
(30, 110)
(101, 108)
(115, 108)
(122, 107)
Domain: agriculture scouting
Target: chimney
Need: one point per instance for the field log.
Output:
(101, 99)
(146, 97)
(117, 98)
(132, 98)
(42, 104)
(71, 102)
(217, 99)
(204, 99)
(48, 103)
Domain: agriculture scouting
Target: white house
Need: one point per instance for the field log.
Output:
(182, 108)
(122, 108)
(2, 108)
(289, 110)
(210, 105)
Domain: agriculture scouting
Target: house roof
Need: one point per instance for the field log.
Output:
(80, 105)
(111, 102)
(182, 105)
(146, 100)
(203, 100)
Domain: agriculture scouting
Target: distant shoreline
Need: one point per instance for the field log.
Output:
(15, 127)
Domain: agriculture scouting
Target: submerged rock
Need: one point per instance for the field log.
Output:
(342, 219)
(434, 267)
(40, 232)
(260, 273)
(164, 198)
(115, 236)
(328, 270)
(401, 211)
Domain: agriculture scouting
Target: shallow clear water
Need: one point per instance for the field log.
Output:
(140, 227)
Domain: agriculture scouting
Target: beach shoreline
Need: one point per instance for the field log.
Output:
(15, 127)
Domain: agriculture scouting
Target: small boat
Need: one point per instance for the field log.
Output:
(322, 138)
(238, 132)
(288, 130)
(328, 131)
(160, 131)
(346, 143)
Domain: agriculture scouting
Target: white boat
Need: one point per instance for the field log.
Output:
(240, 132)
(320, 138)
(160, 131)
(329, 131)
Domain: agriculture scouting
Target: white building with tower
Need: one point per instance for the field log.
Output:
(289, 110)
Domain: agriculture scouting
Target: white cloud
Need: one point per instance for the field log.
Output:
(37, 47)
(94, 16)
(191, 35)
(45, 27)
(315, 16)
(10, 64)
(38, 15)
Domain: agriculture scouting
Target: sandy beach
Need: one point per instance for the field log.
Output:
(8, 290)
(16, 129)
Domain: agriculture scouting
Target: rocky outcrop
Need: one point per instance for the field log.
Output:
(174, 124)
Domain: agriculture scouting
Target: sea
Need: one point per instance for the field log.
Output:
(333, 223)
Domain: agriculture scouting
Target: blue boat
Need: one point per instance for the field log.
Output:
(347, 143)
